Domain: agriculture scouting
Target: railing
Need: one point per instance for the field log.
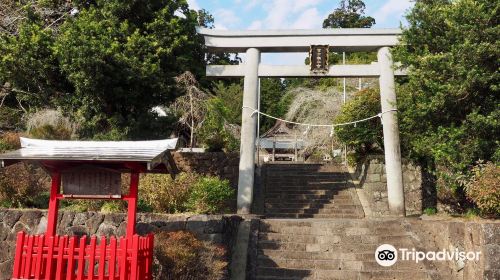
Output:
(68, 258)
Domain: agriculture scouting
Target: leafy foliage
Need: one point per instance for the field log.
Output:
(231, 94)
(209, 195)
(217, 133)
(483, 188)
(105, 65)
(164, 194)
(181, 256)
(349, 15)
(364, 137)
(449, 104)
(21, 184)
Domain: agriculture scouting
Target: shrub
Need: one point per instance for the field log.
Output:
(209, 195)
(10, 118)
(21, 184)
(216, 133)
(484, 188)
(164, 194)
(180, 256)
(50, 124)
(364, 137)
(9, 141)
(113, 206)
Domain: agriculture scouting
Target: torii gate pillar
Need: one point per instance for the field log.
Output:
(248, 131)
(395, 190)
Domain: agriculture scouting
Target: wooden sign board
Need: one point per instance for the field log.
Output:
(91, 182)
(318, 56)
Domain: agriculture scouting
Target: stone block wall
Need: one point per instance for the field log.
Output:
(465, 235)
(371, 182)
(224, 165)
(220, 229)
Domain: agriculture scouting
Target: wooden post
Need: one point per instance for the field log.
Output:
(53, 204)
(132, 204)
(274, 148)
(296, 154)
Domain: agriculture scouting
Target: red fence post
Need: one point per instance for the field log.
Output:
(50, 258)
(16, 273)
(112, 258)
(123, 260)
(70, 270)
(81, 258)
(102, 258)
(135, 251)
(39, 259)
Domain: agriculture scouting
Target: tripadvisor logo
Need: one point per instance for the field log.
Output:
(387, 255)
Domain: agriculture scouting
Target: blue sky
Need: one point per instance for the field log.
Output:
(292, 14)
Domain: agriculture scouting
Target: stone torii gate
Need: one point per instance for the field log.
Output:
(254, 42)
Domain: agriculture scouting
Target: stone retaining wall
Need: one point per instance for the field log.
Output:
(224, 165)
(219, 229)
(371, 182)
(465, 235)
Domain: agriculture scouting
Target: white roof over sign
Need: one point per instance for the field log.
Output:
(150, 152)
(149, 145)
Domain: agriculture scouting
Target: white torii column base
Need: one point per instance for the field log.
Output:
(248, 132)
(395, 189)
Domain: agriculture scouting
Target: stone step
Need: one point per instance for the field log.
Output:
(310, 192)
(315, 216)
(340, 210)
(343, 204)
(341, 274)
(329, 186)
(341, 237)
(305, 181)
(307, 198)
(332, 227)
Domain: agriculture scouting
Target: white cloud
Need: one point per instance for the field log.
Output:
(286, 14)
(255, 25)
(391, 9)
(225, 18)
(307, 20)
(193, 5)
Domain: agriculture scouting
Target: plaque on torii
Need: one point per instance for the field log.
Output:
(318, 57)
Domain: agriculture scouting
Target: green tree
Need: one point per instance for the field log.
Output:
(349, 15)
(122, 58)
(272, 92)
(366, 137)
(104, 63)
(449, 105)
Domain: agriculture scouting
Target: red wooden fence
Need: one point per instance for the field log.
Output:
(68, 258)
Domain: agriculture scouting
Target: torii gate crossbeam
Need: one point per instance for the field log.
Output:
(347, 39)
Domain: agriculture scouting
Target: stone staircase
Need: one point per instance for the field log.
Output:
(334, 249)
(309, 191)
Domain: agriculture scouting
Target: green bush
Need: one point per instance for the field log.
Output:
(217, 134)
(164, 194)
(484, 188)
(209, 195)
(366, 137)
(113, 206)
